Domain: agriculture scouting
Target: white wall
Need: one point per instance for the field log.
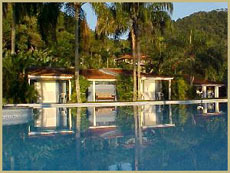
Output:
(52, 118)
(149, 88)
(149, 116)
(48, 91)
(47, 118)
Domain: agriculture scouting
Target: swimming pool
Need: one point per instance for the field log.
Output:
(151, 137)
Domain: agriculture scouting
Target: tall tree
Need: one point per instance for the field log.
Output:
(77, 8)
(47, 21)
(18, 10)
(13, 29)
(131, 17)
(140, 14)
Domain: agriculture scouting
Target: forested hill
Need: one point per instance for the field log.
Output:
(212, 23)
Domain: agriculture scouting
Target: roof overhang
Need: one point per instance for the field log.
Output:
(157, 78)
(209, 85)
(33, 77)
(102, 80)
(159, 126)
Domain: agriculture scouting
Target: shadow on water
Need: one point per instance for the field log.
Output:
(160, 137)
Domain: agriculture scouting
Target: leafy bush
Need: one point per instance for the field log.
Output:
(124, 86)
(84, 84)
(180, 89)
(15, 84)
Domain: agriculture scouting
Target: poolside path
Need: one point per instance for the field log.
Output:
(104, 104)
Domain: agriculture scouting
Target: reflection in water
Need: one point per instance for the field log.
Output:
(160, 137)
(51, 121)
(209, 109)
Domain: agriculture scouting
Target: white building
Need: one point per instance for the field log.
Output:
(103, 84)
(53, 84)
(207, 89)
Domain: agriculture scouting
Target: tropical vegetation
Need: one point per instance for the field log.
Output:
(57, 35)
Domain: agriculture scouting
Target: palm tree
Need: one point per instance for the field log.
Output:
(13, 29)
(140, 14)
(47, 20)
(18, 11)
(77, 8)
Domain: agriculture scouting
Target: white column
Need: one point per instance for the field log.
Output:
(94, 117)
(94, 92)
(155, 85)
(217, 108)
(204, 91)
(141, 89)
(205, 110)
(70, 119)
(29, 81)
(170, 114)
(70, 89)
(170, 90)
(216, 92)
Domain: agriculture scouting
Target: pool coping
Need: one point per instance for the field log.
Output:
(105, 104)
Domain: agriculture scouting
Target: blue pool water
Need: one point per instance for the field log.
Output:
(167, 137)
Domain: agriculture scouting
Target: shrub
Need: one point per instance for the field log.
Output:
(180, 89)
(15, 84)
(84, 84)
(124, 86)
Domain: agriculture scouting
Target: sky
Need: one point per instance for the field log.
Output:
(180, 10)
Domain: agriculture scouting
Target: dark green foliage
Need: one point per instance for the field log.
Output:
(208, 46)
(180, 89)
(124, 87)
(47, 20)
(15, 85)
(84, 83)
(195, 45)
(213, 23)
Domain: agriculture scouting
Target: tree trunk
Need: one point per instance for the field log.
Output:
(133, 37)
(136, 154)
(78, 138)
(13, 29)
(138, 69)
(191, 79)
(77, 7)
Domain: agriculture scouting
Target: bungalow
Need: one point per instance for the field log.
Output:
(151, 116)
(52, 121)
(210, 109)
(54, 84)
(103, 84)
(206, 88)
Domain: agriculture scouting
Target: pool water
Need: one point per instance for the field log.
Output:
(166, 137)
